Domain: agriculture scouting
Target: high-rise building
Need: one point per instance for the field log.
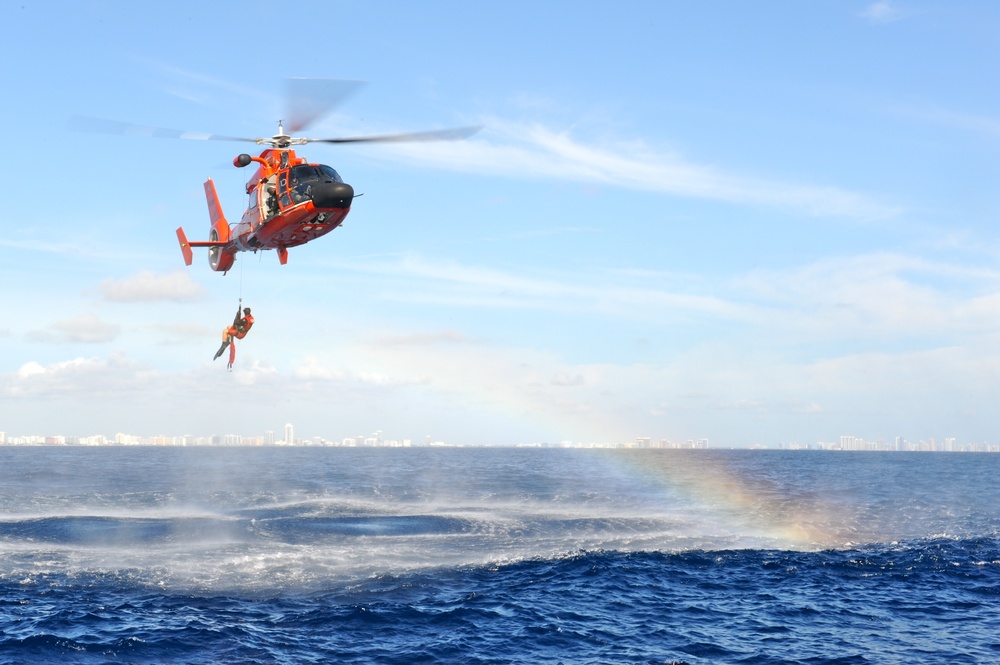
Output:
(289, 434)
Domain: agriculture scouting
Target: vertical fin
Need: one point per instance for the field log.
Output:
(215, 215)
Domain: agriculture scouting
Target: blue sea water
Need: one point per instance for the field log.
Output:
(461, 555)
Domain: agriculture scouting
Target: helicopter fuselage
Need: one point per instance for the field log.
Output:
(291, 202)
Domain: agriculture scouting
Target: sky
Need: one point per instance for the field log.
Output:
(753, 223)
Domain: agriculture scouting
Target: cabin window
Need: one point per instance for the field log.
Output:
(253, 205)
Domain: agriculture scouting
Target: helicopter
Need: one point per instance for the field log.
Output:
(291, 201)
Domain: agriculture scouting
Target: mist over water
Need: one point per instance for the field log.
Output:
(404, 526)
(272, 519)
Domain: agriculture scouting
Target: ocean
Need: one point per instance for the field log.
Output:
(497, 555)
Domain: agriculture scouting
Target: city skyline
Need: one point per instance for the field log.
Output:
(848, 443)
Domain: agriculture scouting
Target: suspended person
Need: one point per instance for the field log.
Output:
(241, 326)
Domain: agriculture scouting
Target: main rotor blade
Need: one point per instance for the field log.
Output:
(439, 135)
(306, 100)
(102, 126)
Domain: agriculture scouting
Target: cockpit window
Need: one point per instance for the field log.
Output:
(301, 178)
(329, 173)
(308, 173)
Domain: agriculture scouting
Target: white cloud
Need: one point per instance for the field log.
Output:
(420, 280)
(720, 389)
(148, 286)
(256, 373)
(86, 328)
(567, 379)
(314, 370)
(533, 151)
(81, 377)
(984, 125)
(879, 299)
(204, 89)
(876, 297)
(881, 12)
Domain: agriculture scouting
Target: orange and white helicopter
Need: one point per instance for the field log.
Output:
(292, 201)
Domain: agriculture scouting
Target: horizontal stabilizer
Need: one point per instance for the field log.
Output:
(186, 245)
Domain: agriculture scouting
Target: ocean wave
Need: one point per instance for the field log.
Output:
(724, 606)
(567, 556)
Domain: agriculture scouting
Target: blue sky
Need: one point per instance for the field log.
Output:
(756, 223)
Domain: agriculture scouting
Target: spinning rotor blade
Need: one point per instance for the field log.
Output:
(310, 99)
(306, 100)
(438, 135)
(101, 126)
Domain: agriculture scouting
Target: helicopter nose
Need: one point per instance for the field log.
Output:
(332, 195)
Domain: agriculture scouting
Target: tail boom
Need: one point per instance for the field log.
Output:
(221, 253)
